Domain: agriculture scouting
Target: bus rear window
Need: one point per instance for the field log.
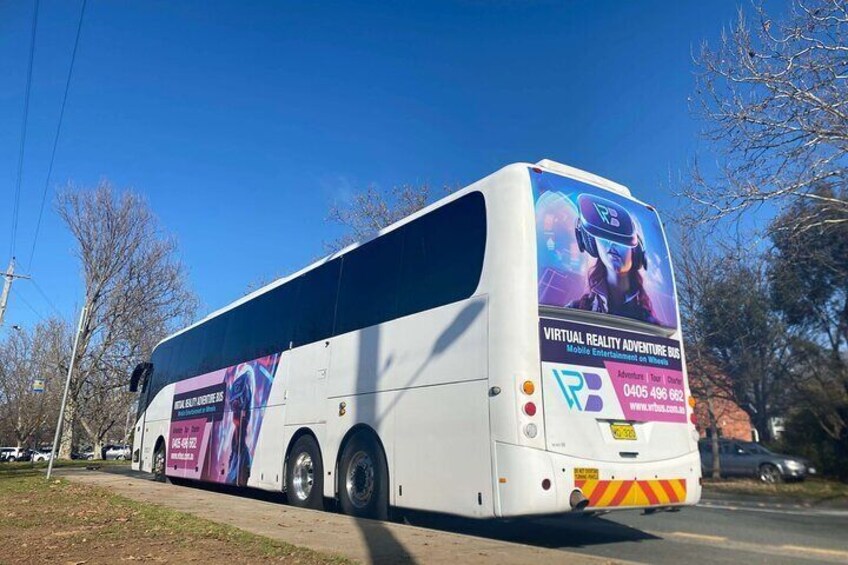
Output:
(600, 252)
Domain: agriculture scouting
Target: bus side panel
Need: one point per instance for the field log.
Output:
(267, 470)
(444, 466)
(156, 424)
(433, 349)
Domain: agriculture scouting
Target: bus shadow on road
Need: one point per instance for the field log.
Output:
(552, 532)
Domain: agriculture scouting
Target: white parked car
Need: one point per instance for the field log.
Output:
(120, 452)
(43, 455)
(12, 454)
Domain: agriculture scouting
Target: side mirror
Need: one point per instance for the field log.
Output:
(139, 376)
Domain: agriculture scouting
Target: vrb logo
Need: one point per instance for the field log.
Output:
(573, 383)
(608, 215)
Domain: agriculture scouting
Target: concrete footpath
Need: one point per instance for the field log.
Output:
(367, 541)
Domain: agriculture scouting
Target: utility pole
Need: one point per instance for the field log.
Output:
(10, 276)
(61, 422)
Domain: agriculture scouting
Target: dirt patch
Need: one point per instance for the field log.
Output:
(62, 522)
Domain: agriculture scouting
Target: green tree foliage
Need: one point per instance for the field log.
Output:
(745, 338)
(805, 437)
(809, 282)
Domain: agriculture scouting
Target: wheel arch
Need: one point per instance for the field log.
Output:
(160, 442)
(347, 437)
(303, 431)
(781, 472)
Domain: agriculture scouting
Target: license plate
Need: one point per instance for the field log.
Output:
(623, 431)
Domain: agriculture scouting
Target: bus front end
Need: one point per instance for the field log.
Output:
(604, 418)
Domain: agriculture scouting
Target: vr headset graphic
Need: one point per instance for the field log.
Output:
(602, 218)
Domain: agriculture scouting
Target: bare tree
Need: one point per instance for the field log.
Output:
(774, 94)
(25, 357)
(371, 210)
(135, 290)
(696, 277)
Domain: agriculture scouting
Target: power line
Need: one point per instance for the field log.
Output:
(56, 138)
(45, 297)
(17, 202)
(28, 305)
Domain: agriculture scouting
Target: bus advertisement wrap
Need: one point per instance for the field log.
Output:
(215, 422)
(613, 374)
(601, 252)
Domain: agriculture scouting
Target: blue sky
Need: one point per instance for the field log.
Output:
(242, 122)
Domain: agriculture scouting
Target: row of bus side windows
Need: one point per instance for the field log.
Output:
(432, 261)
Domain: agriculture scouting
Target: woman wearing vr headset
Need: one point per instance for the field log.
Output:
(606, 231)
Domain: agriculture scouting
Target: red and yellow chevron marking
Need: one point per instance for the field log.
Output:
(632, 493)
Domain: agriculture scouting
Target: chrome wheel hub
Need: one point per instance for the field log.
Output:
(359, 479)
(159, 463)
(303, 476)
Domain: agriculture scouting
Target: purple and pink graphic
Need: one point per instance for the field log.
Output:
(600, 252)
(614, 374)
(215, 422)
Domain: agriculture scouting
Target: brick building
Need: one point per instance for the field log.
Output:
(733, 422)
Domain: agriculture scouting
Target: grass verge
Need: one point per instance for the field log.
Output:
(30, 465)
(64, 522)
(812, 490)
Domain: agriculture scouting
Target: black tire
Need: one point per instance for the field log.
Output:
(364, 478)
(305, 474)
(770, 474)
(159, 462)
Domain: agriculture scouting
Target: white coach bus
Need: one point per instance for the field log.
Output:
(513, 349)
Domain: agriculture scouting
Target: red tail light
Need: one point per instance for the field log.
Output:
(530, 409)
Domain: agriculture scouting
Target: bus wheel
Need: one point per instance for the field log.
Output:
(159, 463)
(305, 474)
(363, 478)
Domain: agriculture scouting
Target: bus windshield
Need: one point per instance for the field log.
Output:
(601, 252)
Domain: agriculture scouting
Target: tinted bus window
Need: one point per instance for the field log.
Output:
(214, 334)
(241, 333)
(443, 255)
(159, 377)
(274, 319)
(317, 303)
(369, 285)
(189, 348)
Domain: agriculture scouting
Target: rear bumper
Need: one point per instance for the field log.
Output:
(520, 474)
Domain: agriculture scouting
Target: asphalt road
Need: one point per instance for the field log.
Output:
(717, 531)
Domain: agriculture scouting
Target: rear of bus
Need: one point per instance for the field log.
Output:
(605, 414)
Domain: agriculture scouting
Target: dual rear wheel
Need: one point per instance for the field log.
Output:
(362, 477)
